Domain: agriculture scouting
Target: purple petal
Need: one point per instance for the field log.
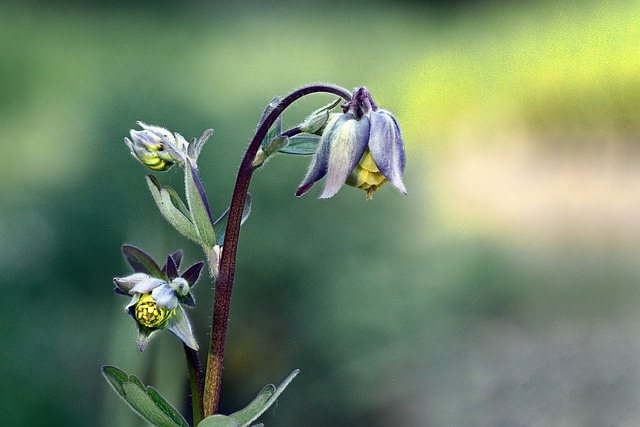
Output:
(177, 257)
(140, 261)
(180, 327)
(193, 273)
(165, 297)
(172, 269)
(348, 141)
(386, 147)
(188, 300)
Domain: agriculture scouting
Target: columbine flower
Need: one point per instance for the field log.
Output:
(157, 295)
(158, 149)
(362, 148)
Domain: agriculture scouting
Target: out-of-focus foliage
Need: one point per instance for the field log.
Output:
(501, 291)
(568, 69)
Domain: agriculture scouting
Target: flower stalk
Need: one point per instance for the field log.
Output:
(224, 284)
(361, 147)
(195, 383)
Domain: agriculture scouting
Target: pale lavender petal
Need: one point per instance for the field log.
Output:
(165, 297)
(180, 327)
(348, 141)
(386, 147)
(133, 302)
(128, 282)
(146, 285)
(318, 167)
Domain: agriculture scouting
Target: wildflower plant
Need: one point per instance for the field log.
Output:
(359, 145)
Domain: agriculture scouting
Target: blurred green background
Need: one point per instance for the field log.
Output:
(503, 290)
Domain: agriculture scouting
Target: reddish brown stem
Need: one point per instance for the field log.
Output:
(224, 284)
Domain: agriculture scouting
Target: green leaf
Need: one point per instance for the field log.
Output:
(172, 208)
(256, 407)
(219, 421)
(262, 402)
(199, 207)
(145, 401)
(116, 378)
(302, 145)
(221, 223)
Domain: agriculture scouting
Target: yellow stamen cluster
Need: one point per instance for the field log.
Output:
(366, 175)
(156, 158)
(149, 314)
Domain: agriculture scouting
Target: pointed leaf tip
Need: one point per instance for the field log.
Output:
(145, 401)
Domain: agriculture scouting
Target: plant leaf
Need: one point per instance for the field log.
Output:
(256, 407)
(145, 401)
(221, 223)
(219, 420)
(262, 402)
(302, 145)
(172, 208)
(199, 207)
(116, 378)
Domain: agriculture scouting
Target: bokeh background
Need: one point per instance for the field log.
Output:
(503, 290)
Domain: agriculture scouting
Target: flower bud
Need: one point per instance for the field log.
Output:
(150, 150)
(316, 121)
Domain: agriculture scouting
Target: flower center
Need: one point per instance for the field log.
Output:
(366, 175)
(148, 314)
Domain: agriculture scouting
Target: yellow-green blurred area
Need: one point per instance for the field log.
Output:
(503, 290)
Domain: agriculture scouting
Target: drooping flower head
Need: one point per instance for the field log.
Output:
(157, 295)
(362, 147)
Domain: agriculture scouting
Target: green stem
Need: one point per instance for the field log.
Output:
(224, 282)
(195, 383)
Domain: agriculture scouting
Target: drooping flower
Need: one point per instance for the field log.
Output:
(157, 295)
(362, 147)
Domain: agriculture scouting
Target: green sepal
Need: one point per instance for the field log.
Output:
(316, 121)
(273, 132)
(262, 402)
(145, 401)
(219, 420)
(199, 207)
(276, 144)
(276, 129)
(172, 208)
(302, 145)
(221, 223)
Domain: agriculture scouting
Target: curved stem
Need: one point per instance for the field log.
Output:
(224, 283)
